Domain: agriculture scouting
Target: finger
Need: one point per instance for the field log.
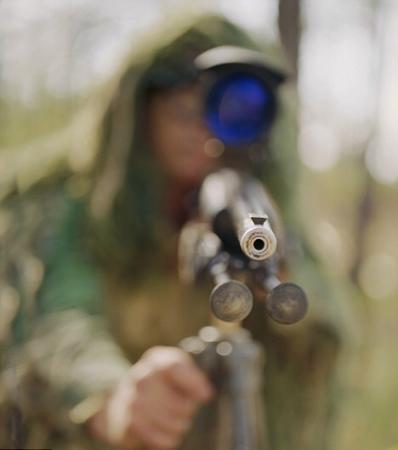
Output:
(161, 417)
(179, 369)
(162, 395)
(188, 378)
(152, 436)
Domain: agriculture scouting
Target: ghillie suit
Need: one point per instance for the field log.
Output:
(89, 297)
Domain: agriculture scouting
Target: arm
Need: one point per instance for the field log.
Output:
(74, 372)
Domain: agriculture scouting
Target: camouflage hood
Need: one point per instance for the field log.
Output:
(125, 182)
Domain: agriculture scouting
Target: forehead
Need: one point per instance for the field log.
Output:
(185, 94)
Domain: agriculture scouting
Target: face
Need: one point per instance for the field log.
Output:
(179, 138)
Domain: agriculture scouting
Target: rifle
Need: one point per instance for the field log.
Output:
(236, 243)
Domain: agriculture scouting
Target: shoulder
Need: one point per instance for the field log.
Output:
(34, 227)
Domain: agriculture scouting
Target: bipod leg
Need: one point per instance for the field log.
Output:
(234, 419)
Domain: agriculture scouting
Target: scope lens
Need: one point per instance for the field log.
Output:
(239, 108)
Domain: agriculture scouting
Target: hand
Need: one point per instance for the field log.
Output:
(154, 404)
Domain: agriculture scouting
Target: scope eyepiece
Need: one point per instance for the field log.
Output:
(239, 108)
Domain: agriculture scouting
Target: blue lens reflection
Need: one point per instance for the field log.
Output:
(239, 108)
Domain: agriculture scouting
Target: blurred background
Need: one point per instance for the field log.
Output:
(54, 54)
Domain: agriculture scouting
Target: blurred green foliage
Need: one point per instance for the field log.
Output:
(369, 372)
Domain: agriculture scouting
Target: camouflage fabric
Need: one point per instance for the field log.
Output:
(81, 307)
